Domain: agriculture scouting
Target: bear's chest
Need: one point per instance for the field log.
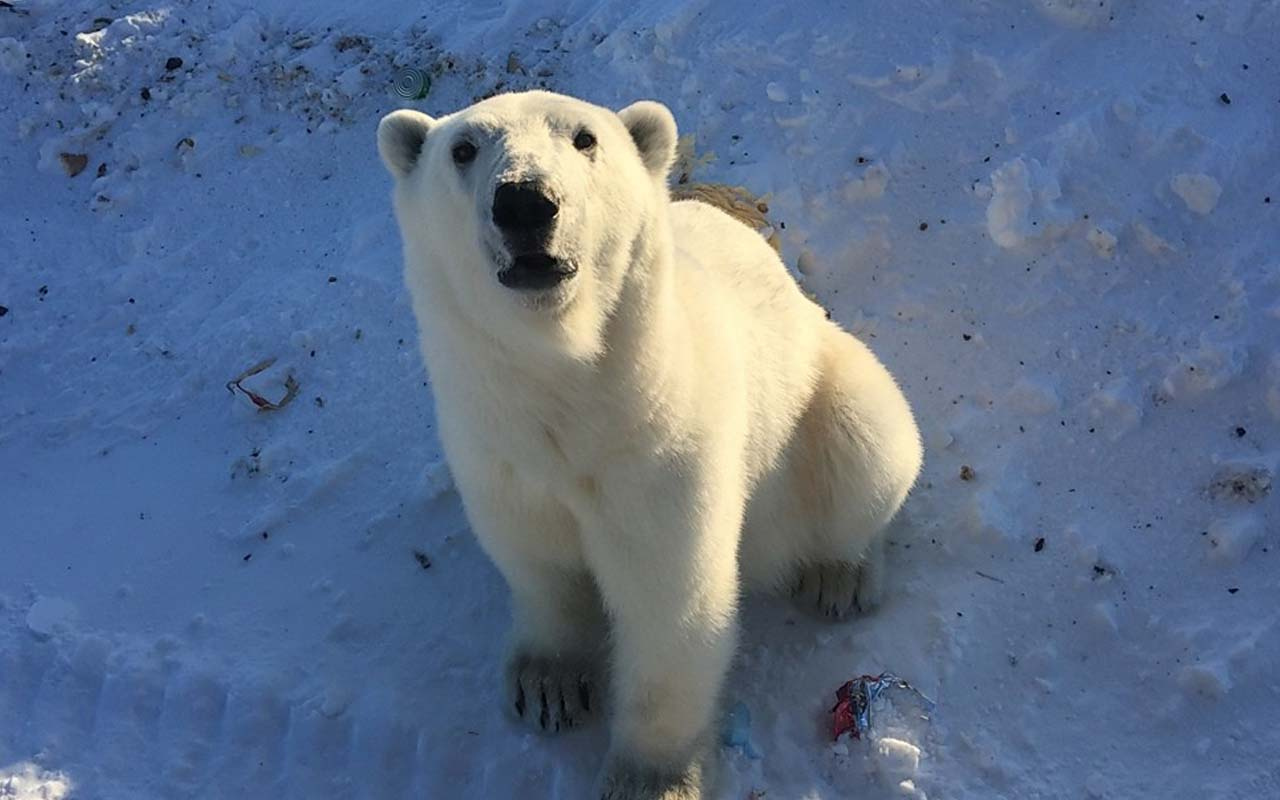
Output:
(554, 434)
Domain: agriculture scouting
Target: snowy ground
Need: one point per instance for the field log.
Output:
(1057, 221)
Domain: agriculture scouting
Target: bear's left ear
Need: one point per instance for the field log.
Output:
(401, 135)
(653, 129)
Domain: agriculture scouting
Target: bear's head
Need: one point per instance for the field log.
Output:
(526, 212)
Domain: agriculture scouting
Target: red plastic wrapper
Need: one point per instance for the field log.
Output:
(852, 712)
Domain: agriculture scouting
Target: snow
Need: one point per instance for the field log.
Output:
(48, 615)
(1199, 191)
(1023, 205)
(1041, 214)
(28, 782)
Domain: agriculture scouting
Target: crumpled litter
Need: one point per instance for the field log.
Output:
(736, 731)
(262, 403)
(854, 700)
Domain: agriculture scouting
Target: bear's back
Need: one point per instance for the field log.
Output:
(735, 259)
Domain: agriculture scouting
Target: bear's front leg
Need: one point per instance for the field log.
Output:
(665, 560)
(552, 671)
(551, 678)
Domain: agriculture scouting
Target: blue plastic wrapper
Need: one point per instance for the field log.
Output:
(736, 731)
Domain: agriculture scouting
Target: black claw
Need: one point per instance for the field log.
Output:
(520, 706)
(545, 715)
(584, 695)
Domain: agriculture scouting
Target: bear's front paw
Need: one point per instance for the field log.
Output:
(839, 589)
(623, 780)
(548, 693)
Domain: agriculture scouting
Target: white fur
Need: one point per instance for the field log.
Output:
(632, 447)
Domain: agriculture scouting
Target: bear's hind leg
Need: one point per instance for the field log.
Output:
(838, 589)
(856, 455)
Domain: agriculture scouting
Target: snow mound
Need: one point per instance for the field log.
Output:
(49, 615)
(1079, 13)
(1232, 538)
(1199, 191)
(1024, 204)
(27, 781)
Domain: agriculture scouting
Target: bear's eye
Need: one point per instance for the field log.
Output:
(584, 140)
(464, 153)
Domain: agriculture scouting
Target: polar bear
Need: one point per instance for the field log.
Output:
(643, 413)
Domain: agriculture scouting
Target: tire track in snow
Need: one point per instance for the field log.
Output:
(154, 724)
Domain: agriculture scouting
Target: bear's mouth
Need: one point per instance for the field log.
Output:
(536, 271)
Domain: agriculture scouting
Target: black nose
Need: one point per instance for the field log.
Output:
(522, 207)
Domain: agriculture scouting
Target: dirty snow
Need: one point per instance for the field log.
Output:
(1058, 222)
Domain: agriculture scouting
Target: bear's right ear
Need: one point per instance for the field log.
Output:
(653, 129)
(401, 135)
